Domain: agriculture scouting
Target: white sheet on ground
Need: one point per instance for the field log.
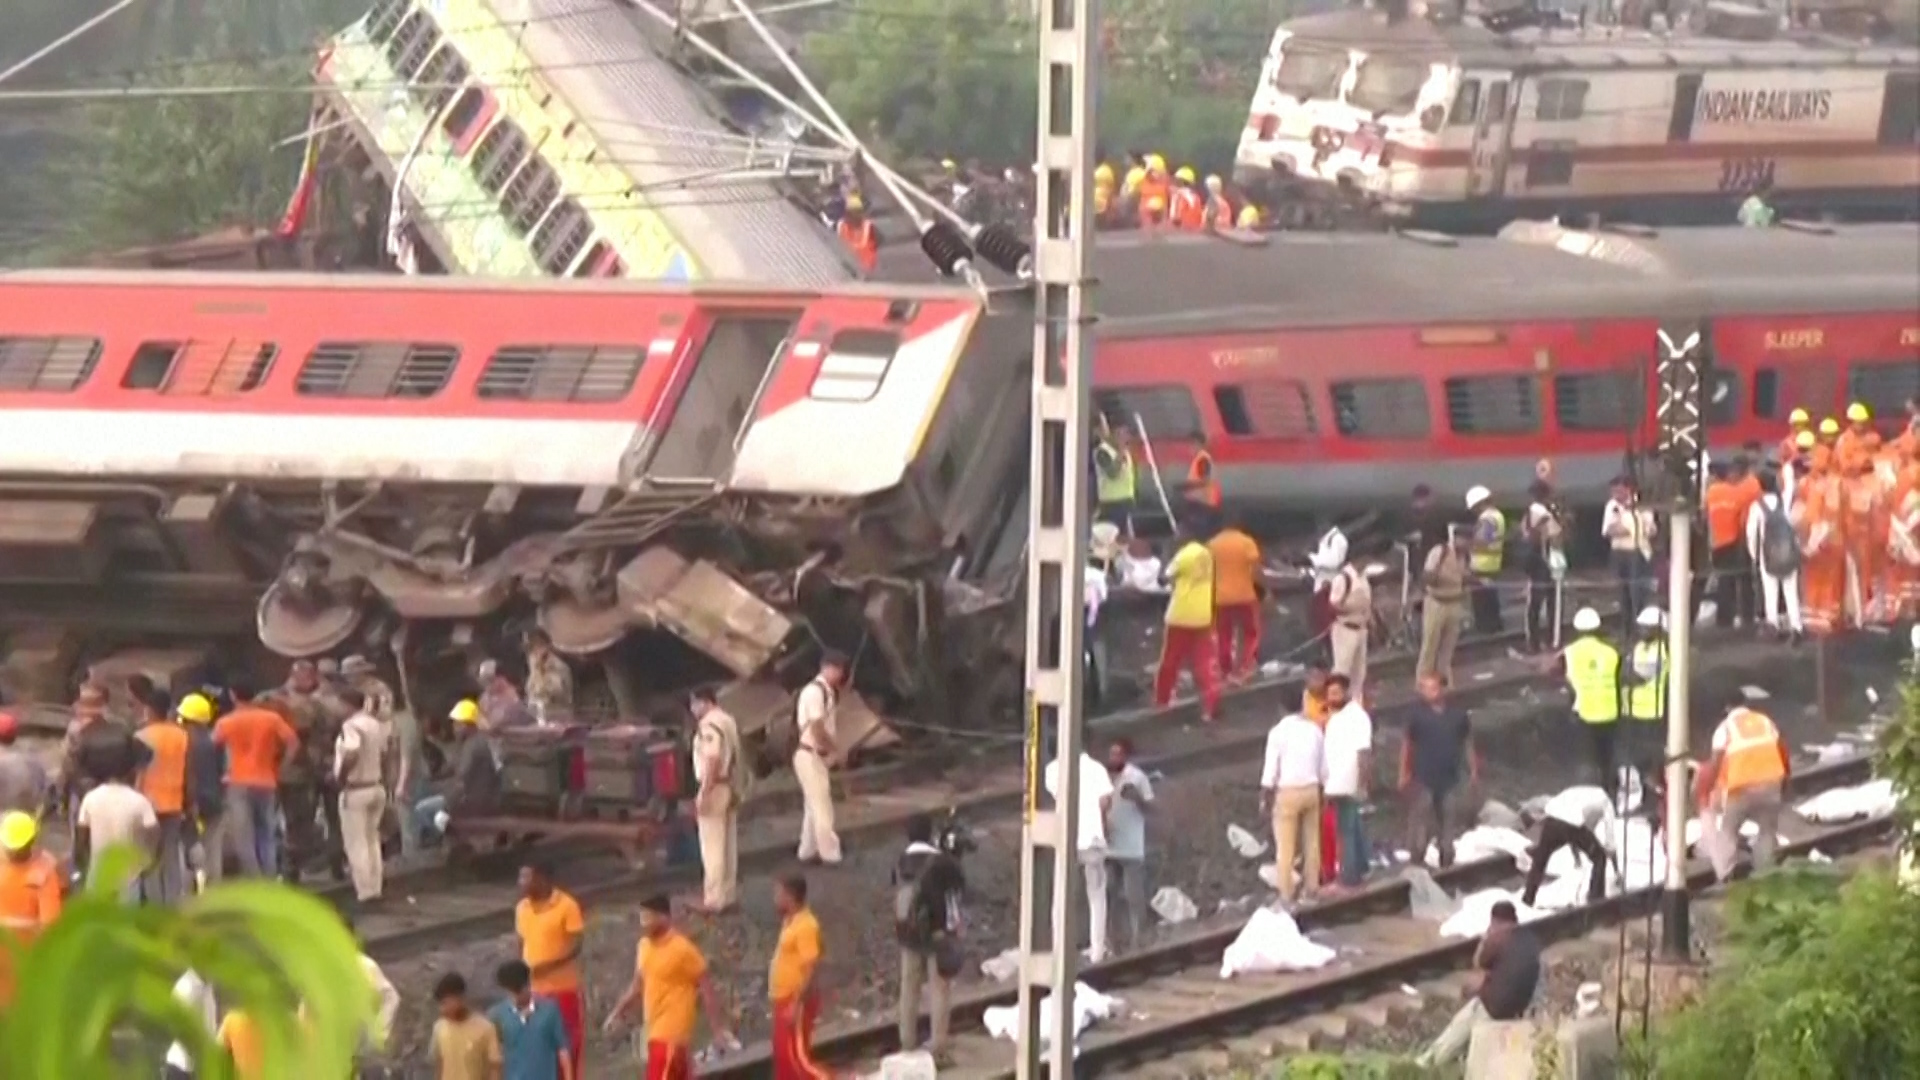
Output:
(1271, 941)
(1872, 799)
(1089, 1006)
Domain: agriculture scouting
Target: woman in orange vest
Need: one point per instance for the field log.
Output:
(1819, 516)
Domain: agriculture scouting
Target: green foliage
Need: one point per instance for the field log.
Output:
(155, 169)
(1818, 977)
(102, 977)
(956, 78)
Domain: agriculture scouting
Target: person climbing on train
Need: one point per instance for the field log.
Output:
(1201, 488)
(1188, 639)
(1250, 218)
(857, 232)
(1188, 209)
(1487, 558)
(1156, 193)
(1116, 483)
(1798, 423)
(1818, 511)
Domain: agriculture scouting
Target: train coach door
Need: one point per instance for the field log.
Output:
(730, 369)
(1487, 163)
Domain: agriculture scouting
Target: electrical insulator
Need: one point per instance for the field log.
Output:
(946, 247)
(1003, 248)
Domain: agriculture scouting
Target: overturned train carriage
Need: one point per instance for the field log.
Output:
(677, 484)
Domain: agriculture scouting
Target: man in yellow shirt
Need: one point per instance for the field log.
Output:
(1236, 601)
(790, 983)
(669, 979)
(550, 925)
(1189, 640)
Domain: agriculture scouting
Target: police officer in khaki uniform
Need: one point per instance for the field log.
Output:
(305, 779)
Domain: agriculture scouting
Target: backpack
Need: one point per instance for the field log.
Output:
(915, 923)
(1779, 544)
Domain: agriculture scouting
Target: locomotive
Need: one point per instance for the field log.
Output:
(1368, 117)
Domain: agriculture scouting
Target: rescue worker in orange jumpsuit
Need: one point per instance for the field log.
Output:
(1903, 535)
(1156, 193)
(1859, 441)
(1819, 517)
(1797, 422)
(1829, 432)
(30, 896)
(1189, 213)
(858, 233)
(1855, 453)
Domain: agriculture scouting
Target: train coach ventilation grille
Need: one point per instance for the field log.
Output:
(582, 373)
(635, 519)
(345, 369)
(47, 364)
(1607, 247)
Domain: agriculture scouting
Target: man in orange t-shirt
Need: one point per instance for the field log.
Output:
(1730, 495)
(790, 983)
(550, 925)
(164, 783)
(258, 742)
(1236, 601)
(30, 897)
(669, 980)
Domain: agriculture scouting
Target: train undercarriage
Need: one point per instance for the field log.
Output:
(646, 593)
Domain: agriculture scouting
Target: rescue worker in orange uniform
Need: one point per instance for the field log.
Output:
(1903, 535)
(1250, 218)
(30, 896)
(1201, 488)
(1189, 213)
(1864, 530)
(1103, 192)
(1859, 442)
(1745, 775)
(1798, 423)
(859, 234)
(1829, 432)
(1156, 193)
(796, 1002)
(1219, 207)
(1819, 516)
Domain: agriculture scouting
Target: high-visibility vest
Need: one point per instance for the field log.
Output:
(1487, 558)
(1189, 209)
(1726, 524)
(1593, 671)
(1752, 752)
(1644, 701)
(1118, 487)
(859, 236)
(1204, 483)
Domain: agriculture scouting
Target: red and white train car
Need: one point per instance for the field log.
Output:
(1460, 126)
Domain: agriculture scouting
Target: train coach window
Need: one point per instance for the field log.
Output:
(383, 17)
(152, 363)
(1466, 105)
(498, 156)
(1550, 163)
(1561, 99)
(1493, 405)
(529, 194)
(561, 372)
(1885, 386)
(411, 43)
(52, 365)
(1723, 398)
(440, 78)
(1161, 412)
(855, 365)
(1269, 409)
(1604, 401)
(560, 236)
(1810, 385)
(381, 369)
(1381, 409)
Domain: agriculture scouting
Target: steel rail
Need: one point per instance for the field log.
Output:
(1230, 740)
(848, 1046)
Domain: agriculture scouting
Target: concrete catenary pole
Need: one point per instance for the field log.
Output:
(1057, 538)
(1684, 367)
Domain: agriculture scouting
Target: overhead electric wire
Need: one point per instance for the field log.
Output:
(64, 40)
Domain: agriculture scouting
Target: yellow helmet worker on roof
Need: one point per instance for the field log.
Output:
(1858, 414)
(1249, 217)
(1156, 164)
(1829, 427)
(195, 709)
(1135, 177)
(1103, 174)
(1799, 418)
(1805, 441)
(1186, 175)
(466, 712)
(18, 830)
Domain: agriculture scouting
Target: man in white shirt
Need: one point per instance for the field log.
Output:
(1127, 835)
(360, 761)
(813, 756)
(1096, 798)
(115, 814)
(1349, 753)
(1096, 646)
(1290, 786)
(1778, 556)
(1628, 531)
(192, 992)
(1572, 819)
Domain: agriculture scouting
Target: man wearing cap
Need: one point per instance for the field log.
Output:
(306, 788)
(474, 787)
(814, 753)
(1592, 668)
(23, 780)
(670, 984)
(202, 831)
(362, 762)
(1486, 558)
(30, 896)
(722, 789)
(1798, 423)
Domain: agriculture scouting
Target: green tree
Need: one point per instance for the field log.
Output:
(153, 169)
(956, 78)
(95, 1000)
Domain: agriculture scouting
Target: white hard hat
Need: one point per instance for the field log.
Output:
(1651, 616)
(1586, 620)
(1477, 495)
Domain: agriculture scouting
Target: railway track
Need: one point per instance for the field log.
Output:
(1176, 1003)
(430, 910)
